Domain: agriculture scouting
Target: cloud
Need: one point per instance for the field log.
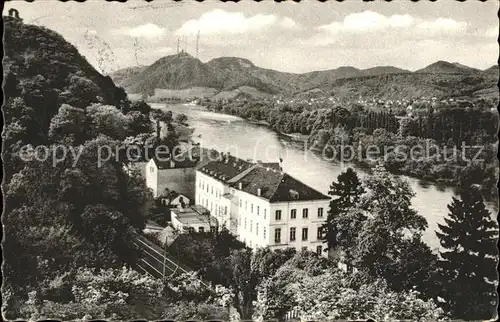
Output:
(148, 31)
(367, 21)
(288, 23)
(443, 25)
(223, 22)
(360, 26)
(491, 32)
(373, 21)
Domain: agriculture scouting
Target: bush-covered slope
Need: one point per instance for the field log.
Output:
(47, 71)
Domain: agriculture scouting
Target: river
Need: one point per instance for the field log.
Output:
(247, 140)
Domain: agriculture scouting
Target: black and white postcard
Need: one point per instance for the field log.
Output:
(250, 161)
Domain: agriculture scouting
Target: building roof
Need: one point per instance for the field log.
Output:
(193, 215)
(190, 158)
(276, 186)
(225, 168)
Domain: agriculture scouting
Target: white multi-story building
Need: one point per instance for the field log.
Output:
(262, 205)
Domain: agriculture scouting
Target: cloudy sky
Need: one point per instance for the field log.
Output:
(293, 37)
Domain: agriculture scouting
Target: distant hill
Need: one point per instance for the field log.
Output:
(122, 76)
(493, 70)
(443, 67)
(383, 70)
(408, 85)
(232, 76)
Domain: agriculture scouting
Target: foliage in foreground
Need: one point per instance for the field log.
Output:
(119, 294)
(317, 291)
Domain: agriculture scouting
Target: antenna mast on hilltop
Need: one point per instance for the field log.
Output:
(198, 44)
(181, 42)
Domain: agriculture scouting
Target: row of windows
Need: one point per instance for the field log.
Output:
(218, 209)
(209, 189)
(319, 249)
(201, 229)
(257, 208)
(293, 233)
(251, 227)
(293, 213)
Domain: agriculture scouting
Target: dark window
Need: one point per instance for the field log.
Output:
(320, 212)
(304, 233)
(319, 249)
(292, 233)
(320, 233)
(277, 235)
(305, 213)
(278, 214)
(201, 229)
(293, 213)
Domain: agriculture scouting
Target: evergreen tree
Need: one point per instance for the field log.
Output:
(346, 194)
(470, 256)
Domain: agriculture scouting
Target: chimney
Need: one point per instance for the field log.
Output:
(240, 185)
(259, 161)
(259, 192)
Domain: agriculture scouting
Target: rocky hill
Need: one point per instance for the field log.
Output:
(444, 67)
(227, 74)
(46, 71)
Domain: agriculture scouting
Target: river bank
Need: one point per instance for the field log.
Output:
(247, 140)
(326, 127)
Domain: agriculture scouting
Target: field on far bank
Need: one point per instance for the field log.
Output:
(183, 94)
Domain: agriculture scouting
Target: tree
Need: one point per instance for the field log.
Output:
(181, 119)
(469, 257)
(331, 296)
(139, 122)
(69, 126)
(83, 91)
(107, 120)
(346, 192)
(243, 281)
(275, 293)
(389, 237)
(268, 261)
